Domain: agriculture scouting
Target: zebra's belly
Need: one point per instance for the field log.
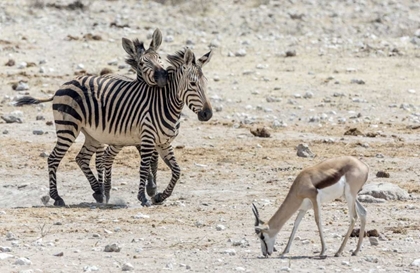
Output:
(122, 139)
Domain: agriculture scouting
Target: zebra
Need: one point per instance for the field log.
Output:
(128, 113)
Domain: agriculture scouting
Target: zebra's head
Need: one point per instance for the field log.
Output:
(193, 88)
(146, 63)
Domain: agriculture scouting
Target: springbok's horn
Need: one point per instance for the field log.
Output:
(257, 215)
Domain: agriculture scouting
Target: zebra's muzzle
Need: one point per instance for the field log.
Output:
(161, 77)
(205, 114)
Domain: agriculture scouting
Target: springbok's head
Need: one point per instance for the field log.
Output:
(146, 63)
(193, 83)
(267, 237)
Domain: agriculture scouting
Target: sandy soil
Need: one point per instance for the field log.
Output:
(224, 167)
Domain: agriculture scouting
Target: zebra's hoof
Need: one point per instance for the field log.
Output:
(59, 203)
(151, 190)
(99, 197)
(146, 203)
(157, 199)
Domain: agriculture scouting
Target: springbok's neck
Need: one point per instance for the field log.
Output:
(290, 205)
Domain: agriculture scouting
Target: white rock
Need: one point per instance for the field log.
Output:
(80, 66)
(22, 65)
(90, 268)
(416, 262)
(285, 268)
(4, 256)
(5, 249)
(239, 268)
(385, 190)
(23, 261)
(374, 241)
(169, 39)
(220, 227)
(345, 263)
(112, 248)
(240, 53)
(127, 267)
(141, 216)
(231, 252)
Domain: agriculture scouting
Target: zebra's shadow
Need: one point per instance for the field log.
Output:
(83, 205)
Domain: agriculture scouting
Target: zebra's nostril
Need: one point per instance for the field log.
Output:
(205, 115)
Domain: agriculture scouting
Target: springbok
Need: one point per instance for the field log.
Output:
(324, 182)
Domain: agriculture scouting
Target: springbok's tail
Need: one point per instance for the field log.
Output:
(27, 100)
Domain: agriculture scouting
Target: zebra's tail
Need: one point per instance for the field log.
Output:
(27, 100)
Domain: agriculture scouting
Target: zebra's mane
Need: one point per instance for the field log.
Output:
(177, 59)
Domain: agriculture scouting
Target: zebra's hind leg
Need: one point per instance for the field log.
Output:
(168, 157)
(99, 162)
(65, 139)
(110, 153)
(83, 159)
(151, 186)
(146, 151)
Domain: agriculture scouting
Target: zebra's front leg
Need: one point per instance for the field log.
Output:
(108, 159)
(146, 154)
(99, 162)
(151, 186)
(168, 157)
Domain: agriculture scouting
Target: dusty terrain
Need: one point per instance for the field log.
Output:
(356, 66)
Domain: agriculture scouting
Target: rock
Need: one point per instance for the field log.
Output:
(5, 249)
(220, 227)
(231, 252)
(10, 236)
(382, 174)
(44, 154)
(416, 262)
(290, 53)
(373, 233)
(260, 132)
(141, 216)
(278, 123)
(20, 86)
(10, 62)
(90, 268)
(40, 117)
(373, 241)
(345, 263)
(308, 95)
(38, 132)
(357, 81)
(369, 199)
(355, 233)
(304, 151)
(285, 268)
(23, 261)
(45, 199)
(22, 65)
(353, 132)
(4, 256)
(13, 117)
(240, 53)
(169, 39)
(96, 235)
(127, 267)
(112, 248)
(105, 71)
(239, 268)
(5, 132)
(113, 62)
(387, 191)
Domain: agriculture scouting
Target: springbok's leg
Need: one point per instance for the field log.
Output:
(361, 211)
(295, 227)
(317, 211)
(83, 159)
(108, 159)
(168, 157)
(353, 217)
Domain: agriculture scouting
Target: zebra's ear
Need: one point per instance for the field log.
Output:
(138, 49)
(205, 59)
(128, 46)
(189, 57)
(156, 40)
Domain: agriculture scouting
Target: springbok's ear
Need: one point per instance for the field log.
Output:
(205, 59)
(128, 46)
(189, 57)
(156, 40)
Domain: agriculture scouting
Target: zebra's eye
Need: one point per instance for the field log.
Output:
(193, 84)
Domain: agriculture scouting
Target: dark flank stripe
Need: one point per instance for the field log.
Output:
(119, 110)
(73, 94)
(127, 109)
(330, 180)
(67, 122)
(69, 132)
(96, 104)
(67, 109)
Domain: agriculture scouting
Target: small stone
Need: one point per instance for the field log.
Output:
(96, 235)
(5, 249)
(59, 254)
(5, 132)
(141, 216)
(416, 262)
(127, 267)
(90, 268)
(357, 81)
(22, 65)
(345, 263)
(107, 231)
(40, 117)
(285, 268)
(169, 39)
(308, 95)
(105, 71)
(80, 66)
(42, 70)
(220, 227)
(304, 151)
(20, 86)
(373, 241)
(112, 248)
(10, 62)
(113, 62)
(218, 108)
(45, 199)
(4, 256)
(199, 223)
(10, 236)
(306, 242)
(239, 269)
(38, 132)
(23, 261)
(240, 53)
(290, 53)
(382, 174)
(11, 118)
(44, 154)
(230, 252)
